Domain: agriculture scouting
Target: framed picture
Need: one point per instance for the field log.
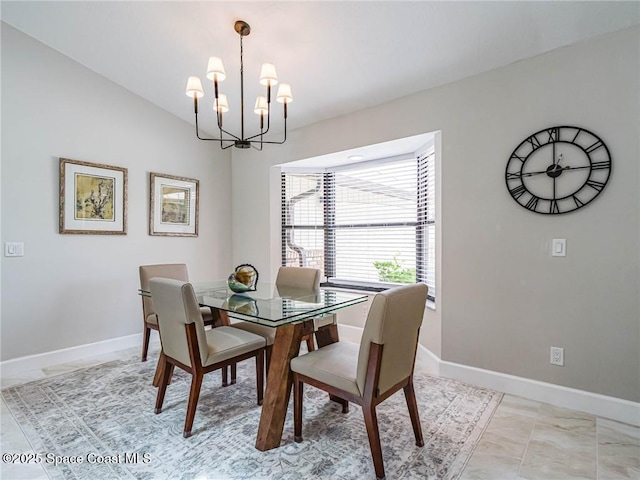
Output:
(173, 206)
(93, 198)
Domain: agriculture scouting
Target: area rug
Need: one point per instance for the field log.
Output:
(104, 417)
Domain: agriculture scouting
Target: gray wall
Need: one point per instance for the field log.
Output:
(72, 290)
(502, 299)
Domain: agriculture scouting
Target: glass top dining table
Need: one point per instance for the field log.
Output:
(291, 312)
(271, 305)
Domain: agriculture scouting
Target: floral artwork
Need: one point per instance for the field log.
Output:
(94, 197)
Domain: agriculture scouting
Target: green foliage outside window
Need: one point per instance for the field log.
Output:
(392, 272)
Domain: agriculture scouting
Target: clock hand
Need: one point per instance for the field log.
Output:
(527, 174)
(556, 164)
(531, 174)
(569, 167)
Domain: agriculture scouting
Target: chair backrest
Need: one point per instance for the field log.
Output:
(177, 271)
(304, 278)
(394, 319)
(176, 306)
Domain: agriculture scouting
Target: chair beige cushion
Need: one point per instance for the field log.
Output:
(177, 306)
(393, 321)
(304, 278)
(334, 365)
(227, 342)
(177, 271)
(268, 333)
(207, 316)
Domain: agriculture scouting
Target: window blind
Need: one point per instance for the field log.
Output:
(369, 225)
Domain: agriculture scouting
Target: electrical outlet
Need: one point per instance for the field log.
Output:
(557, 356)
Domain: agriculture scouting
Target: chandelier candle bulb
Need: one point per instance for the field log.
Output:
(215, 69)
(268, 75)
(284, 93)
(261, 106)
(220, 104)
(194, 87)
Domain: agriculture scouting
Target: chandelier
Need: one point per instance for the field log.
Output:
(268, 77)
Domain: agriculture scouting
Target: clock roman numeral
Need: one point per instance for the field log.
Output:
(577, 201)
(553, 135)
(595, 185)
(522, 159)
(594, 146)
(577, 133)
(514, 176)
(518, 191)
(533, 140)
(601, 165)
(532, 204)
(553, 208)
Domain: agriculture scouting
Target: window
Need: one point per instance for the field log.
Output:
(369, 225)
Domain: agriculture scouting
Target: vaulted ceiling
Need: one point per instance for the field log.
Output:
(338, 56)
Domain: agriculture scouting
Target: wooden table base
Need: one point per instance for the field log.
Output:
(279, 381)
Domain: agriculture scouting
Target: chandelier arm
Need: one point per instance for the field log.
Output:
(261, 134)
(272, 142)
(230, 134)
(219, 118)
(212, 139)
(268, 125)
(285, 131)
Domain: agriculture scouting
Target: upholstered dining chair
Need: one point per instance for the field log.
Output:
(187, 345)
(299, 278)
(177, 271)
(369, 373)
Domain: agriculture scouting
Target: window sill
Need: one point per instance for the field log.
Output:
(431, 303)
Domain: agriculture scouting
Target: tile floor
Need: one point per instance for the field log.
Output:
(524, 440)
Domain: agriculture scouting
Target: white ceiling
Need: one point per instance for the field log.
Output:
(338, 56)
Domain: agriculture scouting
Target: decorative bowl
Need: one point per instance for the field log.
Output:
(243, 279)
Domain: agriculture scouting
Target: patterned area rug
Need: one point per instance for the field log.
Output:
(104, 416)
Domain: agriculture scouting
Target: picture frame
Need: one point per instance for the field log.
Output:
(93, 198)
(174, 205)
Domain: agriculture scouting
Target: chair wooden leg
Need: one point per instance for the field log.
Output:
(194, 394)
(145, 342)
(259, 375)
(234, 373)
(412, 405)
(341, 401)
(165, 372)
(267, 356)
(371, 421)
(298, 388)
(225, 380)
(310, 343)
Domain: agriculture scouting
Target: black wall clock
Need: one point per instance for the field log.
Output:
(558, 170)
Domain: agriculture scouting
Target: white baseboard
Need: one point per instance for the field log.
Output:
(574, 399)
(601, 405)
(18, 366)
(596, 404)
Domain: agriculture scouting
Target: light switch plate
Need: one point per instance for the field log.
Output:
(13, 249)
(559, 247)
